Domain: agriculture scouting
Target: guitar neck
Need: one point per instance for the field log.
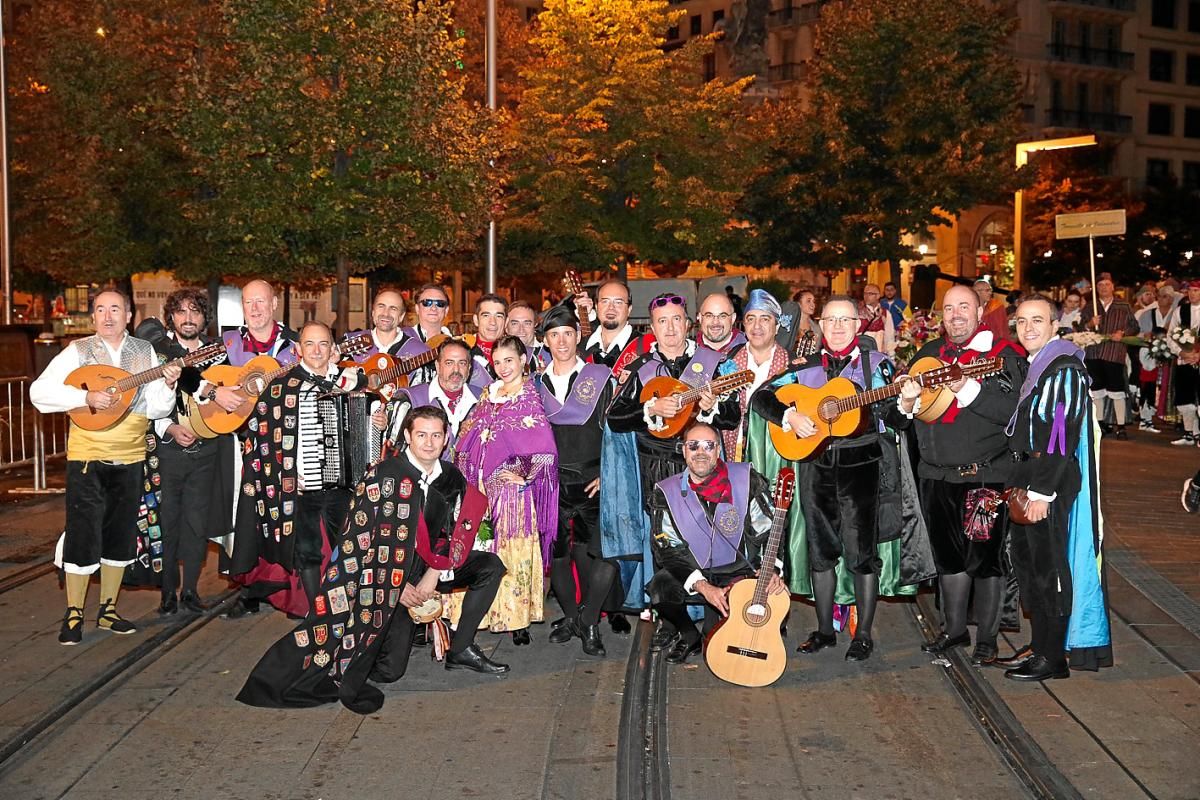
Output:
(154, 373)
(928, 380)
(402, 368)
(720, 386)
(585, 327)
(770, 555)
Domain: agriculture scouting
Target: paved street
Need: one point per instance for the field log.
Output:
(562, 725)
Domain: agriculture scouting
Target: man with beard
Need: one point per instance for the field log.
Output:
(104, 468)
(1106, 361)
(194, 504)
(294, 473)
(448, 391)
(407, 538)
(965, 449)
(491, 310)
(710, 524)
(1057, 554)
(576, 396)
(614, 332)
(716, 320)
(893, 303)
(630, 473)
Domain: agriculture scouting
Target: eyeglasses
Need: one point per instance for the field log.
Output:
(694, 445)
(724, 316)
(612, 301)
(666, 300)
(835, 321)
(429, 302)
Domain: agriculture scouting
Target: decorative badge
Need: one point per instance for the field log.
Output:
(321, 659)
(360, 518)
(373, 492)
(347, 547)
(388, 486)
(729, 521)
(406, 487)
(320, 634)
(586, 389)
(338, 602)
(301, 638)
(322, 608)
(402, 510)
(697, 368)
(402, 533)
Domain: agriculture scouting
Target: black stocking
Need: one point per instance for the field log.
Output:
(563, 583)
(824, 584)
(956, 592)
(677, 615)
(988, 595)
(866, 595)
(310, 578)
(583, 568)
(599, 583)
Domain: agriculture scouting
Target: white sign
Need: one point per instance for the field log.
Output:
(1089, 223)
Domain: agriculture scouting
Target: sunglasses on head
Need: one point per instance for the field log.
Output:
(707, 445)
(666, 300)
(430, 302)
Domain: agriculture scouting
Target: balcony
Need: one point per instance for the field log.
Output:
(781, 73)
(1090, 56)
(1089, 120)
(794, 14)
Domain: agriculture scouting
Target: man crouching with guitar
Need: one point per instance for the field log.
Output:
(844, 487)
(710, 524)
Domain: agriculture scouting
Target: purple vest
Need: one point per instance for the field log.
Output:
(815, 378)
(411, 346)
(699, 370)
(716, 543)
(285, 350)
(581, 400)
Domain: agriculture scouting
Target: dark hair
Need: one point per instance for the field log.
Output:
(1040, 298)
(452, 342)
(188, 294)
(891, 284)
(520, 304)
(512, 342)
(124, 298)
(801, 292)
(616, 282)
(491, 298)
(425, 412)
(1075, 292)
(425, 287)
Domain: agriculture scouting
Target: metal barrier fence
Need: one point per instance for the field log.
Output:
(28, 437)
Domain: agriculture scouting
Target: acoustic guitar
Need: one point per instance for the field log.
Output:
(836, 407)
(120, 384)
(574, 285)
(665, 386)
(382, 369)
(252, 378)
(747, 647)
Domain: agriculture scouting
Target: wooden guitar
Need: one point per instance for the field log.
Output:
(574, 285)
(252, 378)
(836, 407)
(382, 369)
(120, 384)
(664, 386)
(747, 647)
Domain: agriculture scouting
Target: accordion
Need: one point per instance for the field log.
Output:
(361, 441)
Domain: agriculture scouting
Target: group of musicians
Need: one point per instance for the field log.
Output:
(356, 499)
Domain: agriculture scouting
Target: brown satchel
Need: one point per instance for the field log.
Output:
(1018, 505)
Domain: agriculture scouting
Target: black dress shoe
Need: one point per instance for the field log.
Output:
(558, 623)
(421, 636)
(860, 649)
(241, 608)
(1017, 659)
(945, 641)
(521, 637)
(590, 636)
(563, 633)
(472, 658)
(682, 650)
(663, 638)
(619, 624)
(169, 605)
(1037, 668)
(192, 602)
(816, 642)
(985, 654)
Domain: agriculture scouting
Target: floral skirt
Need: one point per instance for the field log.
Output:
(519, 600)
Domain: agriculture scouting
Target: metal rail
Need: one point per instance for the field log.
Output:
(31, 572)
(643, 769)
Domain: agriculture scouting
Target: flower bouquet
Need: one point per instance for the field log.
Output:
(1160, 350)
(1084, 338)
(913, 333)
(1185, 338)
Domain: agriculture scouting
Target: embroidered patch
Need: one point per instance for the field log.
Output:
(320, 634)
(379, 599)
(277, 436)
(293, 383)
(288, 507)
(287, 528)
(351, 567)
(301, 638)
(289, 422)
(364, 540)
(332, 573)
(397, 577)
(290, 401)
(338, 630)
(270, 492)
(387, 487)
(320, 606)
(382, 553)
(261, 508)
(365, 616)
(275, 412)
(402, 533)
(373, 492)
(338, 603)
(385, 530)
(347, 644)
(402, 510)
(406, 487)
(276, 392)
(248, 490)
(289, 442)
(377, 617)
(398, 556)
(365, 598)
(321, 659)
(262, 409)
(586, 389)
(360, 518)
(347, 547)
(274, 512)
(393, 597)
(289, 485)
(368, 577)
(288, 463)
(388, 508)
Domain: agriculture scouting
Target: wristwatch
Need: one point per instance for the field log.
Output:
(211, 394)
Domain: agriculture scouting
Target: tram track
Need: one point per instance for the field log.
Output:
(26, 574)
(100, 685)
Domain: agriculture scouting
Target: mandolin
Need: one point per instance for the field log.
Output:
(747, 647)
(836, 407)
(382, 369)
(116, 381)
(252, 378)
(665, 386)
(574, 285)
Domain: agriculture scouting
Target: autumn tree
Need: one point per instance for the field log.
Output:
(333, 136)
(913, 118)
(622, 151)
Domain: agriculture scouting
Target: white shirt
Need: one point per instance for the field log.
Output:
(561, 384)
(427, 478)
(51, 394)
(300, 443)
(618, 343)
(379, 345)
(761, 371)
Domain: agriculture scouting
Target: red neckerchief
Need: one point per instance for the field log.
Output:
(838, 354)
(716, 487)
(260, 348)
(486, 347)
(452, 399)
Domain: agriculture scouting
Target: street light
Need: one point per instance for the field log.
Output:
(1023, 151)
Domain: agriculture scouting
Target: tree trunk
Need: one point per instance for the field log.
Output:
(214, 301)
(341, 321)
(287, 305)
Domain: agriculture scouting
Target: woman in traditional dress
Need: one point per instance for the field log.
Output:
(506, 448)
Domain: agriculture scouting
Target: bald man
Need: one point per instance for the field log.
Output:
(716, 322)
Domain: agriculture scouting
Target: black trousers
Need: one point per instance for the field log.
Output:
(1106, 375)
(670, 599)
(1039, 555)
(480, 575)
(184, 511)
(102, 502)
(578, 520)
(1187, 385)
(842, 485)
(329, 506)
(944, 504)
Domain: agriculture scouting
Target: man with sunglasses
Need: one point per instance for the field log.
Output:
(431, 307)
(710, 524)
(652, 459)
(716, 321)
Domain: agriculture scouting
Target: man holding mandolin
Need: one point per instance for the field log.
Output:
(104, 467)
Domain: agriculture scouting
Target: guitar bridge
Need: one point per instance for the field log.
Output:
(747, 652)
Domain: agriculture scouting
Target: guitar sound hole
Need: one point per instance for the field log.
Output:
(827, 410)
(756, 615)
